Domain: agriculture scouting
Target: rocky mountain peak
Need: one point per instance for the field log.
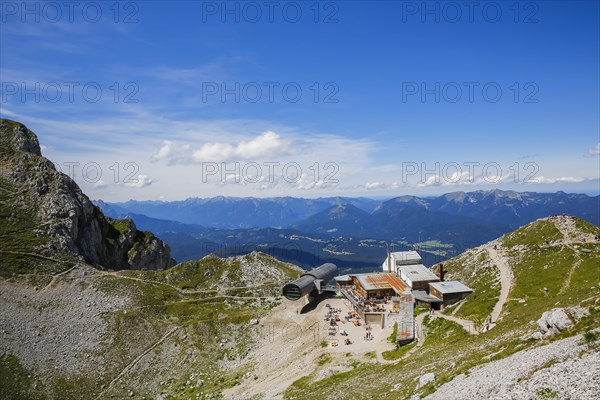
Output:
(18, 138)
(42, 202)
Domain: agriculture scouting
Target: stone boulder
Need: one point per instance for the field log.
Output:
(425, 379)
(560, 319)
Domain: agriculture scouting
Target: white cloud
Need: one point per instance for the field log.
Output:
(564, 179)
(172, 152)
(164, 152)
(308, 182)
(283, 184)
(140, 182)
(100, 184)
(380, 186)
(268, 144)
(233, 179)
(464, 179)
(214, 152)
(266, 183)
(375, 185)
(593, 152)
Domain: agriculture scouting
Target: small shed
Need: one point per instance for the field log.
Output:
(417, 276)
(425, 299)
(450, 291)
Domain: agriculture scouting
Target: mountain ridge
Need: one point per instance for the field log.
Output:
(459, 220)
(496, 207)
(46, 213)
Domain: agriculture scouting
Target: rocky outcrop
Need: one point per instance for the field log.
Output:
(147, 251)
(559, 319)
(65, 216)
(425, 379)
(563, 369)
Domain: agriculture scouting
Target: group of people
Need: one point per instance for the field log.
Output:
(374, 307)
(350, 315)
(556, 215)
(333, 318)
(368, 305)
(332, 315)
(368, 334)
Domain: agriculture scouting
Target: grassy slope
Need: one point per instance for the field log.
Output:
(205, 319)
(212, 272)
(205, 316)
(447, 344)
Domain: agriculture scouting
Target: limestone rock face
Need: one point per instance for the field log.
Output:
(65, 216)
(152, 254)
(425, 379)
(559, 319)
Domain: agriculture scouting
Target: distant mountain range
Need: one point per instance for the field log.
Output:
(480, 215)
(352, 232)
(236, 212)
(507, 209)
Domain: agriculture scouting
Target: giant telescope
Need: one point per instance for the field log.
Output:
(311, 282)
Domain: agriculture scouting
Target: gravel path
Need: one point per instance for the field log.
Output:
(506, 280)
(468, 326)
(132, 364)
(419, 331)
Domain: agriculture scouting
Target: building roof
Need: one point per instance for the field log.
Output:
(451, 287)
(381, 281)
(409, 257)
(418, 272)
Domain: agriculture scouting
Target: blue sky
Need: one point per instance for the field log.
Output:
(385, 105)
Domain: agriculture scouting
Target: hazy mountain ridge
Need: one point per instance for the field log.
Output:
(490, 213)
(190, 242)
(339, 232)
(237, 212)
(343, 218)
(486, 214)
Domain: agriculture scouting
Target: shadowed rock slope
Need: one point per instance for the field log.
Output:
(47, 219)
